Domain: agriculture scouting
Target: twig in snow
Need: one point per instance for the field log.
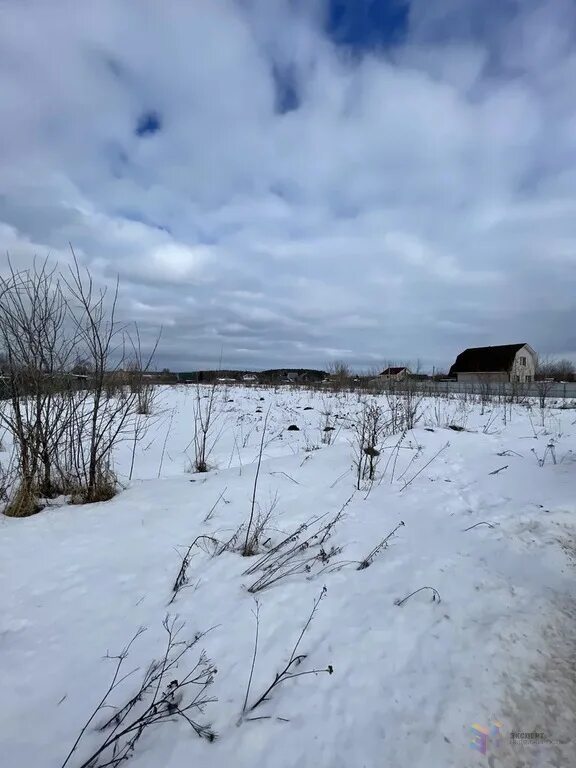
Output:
(256, 615)
(164, 445)
(483, 522)
(209, 515)
(182, 578)
(294, 661)
(285, 475)
(435, 595)
(367, 561)
(340, 477)
(424, 467)
(113, 684)
(247, 550)
(550, 449)
(495, 472)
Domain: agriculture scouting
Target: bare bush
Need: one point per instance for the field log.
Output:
(142, 387)
(62, 346)
(256, 531)
(367, 561)
(37, 356)
(411, 399)
(99, 422)
(303, 550)
(340, 374)
(544, 386)
(450, 413)
(327, 424)
(207, 430)
(368, 431)
(158, 699)
(255, 527)
(395, 409)
(487, 389)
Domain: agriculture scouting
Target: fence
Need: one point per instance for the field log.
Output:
(552, 390)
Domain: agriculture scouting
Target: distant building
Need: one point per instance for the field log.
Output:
(395, 373)
(508, 362)
(250, 378)
(291, 376)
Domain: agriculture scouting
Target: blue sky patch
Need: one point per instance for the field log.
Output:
(149, 123)
(367, 24)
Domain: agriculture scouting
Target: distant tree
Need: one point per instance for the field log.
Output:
(564, 370)
(339, 369)
(81, 367)
(559, 370)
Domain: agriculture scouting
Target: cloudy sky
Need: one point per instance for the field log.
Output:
(286, 182)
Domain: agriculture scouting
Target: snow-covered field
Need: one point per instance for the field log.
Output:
(495, 649)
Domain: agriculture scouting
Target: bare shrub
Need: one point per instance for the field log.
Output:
(140, 383)
(340, 374)
(98, 422)
(411, 400)
(487, 388)
(368, 431)
(37, 355)
(395, 411)
(327, 424)
(159, 698)
(61, 346)
(367, 561)
(257, 529)
(303, 550)
(450, 413)
(254, 528)
(207, 431)
(544, 387)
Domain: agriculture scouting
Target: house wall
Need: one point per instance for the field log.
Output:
(524, 372)
(492, 376)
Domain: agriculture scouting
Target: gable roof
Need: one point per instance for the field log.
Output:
(393, 371)
(486, 359)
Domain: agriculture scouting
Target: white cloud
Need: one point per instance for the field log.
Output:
(417, 200)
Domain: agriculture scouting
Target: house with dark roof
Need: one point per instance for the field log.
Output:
(507, 362)
(395, 373)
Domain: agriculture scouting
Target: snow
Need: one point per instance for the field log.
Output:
(409, 681)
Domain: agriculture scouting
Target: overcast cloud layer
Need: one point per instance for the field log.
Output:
(285, 183)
